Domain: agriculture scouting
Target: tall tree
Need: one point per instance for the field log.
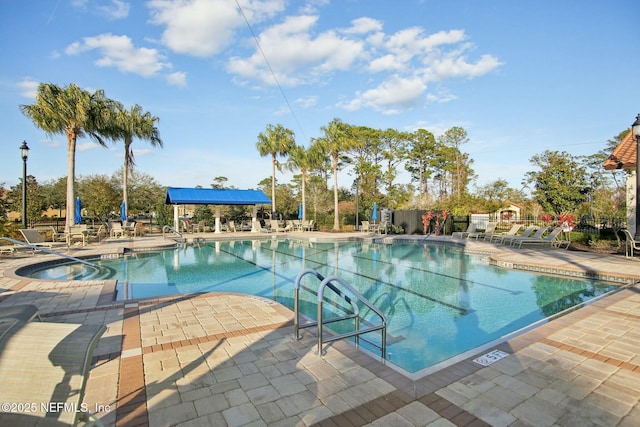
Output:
(73, 112)
(275, 141)
(420, 158)
(130, 124)
(454, 138)
(335, 141)
(561, 183)
(304, 160)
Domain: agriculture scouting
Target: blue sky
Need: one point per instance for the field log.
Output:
(520, 76)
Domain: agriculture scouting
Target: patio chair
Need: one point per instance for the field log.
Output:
(526, 233)
(116, 230)
(276, 227)
(488, 231)
(42, 363)
(537, 235)
(551, 240)
(512, 232)
(256, 226)
(307, 225)
(631, 243)
(34, 238)
(200, 227)
(231, 226)
(364, 226)
(463, 234)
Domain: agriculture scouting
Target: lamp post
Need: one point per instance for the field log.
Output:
(635, 128)
(24, 152)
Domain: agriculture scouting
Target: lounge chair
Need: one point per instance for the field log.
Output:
(526, 233)
(463, 234)
(34, 238)
(44, 363)
(488, 231)
(551, 240)
(537, 235)
(275, 226)
(512, 232)
(256, 226)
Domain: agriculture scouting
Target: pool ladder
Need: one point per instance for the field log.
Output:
(330, 283)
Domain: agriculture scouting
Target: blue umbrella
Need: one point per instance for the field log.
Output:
(300, 211)
(78, 216)
(123, 211)
(374, 214)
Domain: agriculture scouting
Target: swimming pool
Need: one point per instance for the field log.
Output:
(439, 302)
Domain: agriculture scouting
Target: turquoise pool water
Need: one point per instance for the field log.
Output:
(439, 302)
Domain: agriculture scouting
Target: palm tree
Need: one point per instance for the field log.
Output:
(275, 141)
(129, 124)
(304, 160)
(335, 141)
(74, 112)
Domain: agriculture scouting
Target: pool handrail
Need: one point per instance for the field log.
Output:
(328, 283)
(49, 251)
(173, 231)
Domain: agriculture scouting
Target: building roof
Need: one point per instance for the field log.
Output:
(214, 196)
(624, 155)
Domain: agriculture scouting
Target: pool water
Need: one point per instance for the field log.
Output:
(439, 302)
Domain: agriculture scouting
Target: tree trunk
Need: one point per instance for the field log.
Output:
(273, 186)
(336, 220)
(71, 178)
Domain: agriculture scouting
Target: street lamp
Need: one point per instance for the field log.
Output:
(635, 128)
(24, 152)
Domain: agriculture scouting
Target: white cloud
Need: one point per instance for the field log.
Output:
(295, 56)
(28, 87)
(177, 79)
(205, 27)
(117, 9)
(119, 52)
(391, 96)
(364, 25)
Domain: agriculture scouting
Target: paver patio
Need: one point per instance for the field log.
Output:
(230, 359)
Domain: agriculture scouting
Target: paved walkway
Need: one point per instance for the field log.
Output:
(229, 359)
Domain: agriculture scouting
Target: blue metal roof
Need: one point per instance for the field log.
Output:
(215, 196)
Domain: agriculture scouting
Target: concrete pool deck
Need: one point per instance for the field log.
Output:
(229, 359)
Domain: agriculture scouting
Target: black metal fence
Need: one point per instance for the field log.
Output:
(410, 221)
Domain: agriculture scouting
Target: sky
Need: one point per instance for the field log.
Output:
(520, 77)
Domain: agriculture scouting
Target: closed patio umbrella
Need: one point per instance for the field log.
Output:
(300, 211)
(123, 211)
(77, 219)
(374, 214)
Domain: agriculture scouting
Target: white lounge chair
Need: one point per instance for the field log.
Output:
(537, 235)
(512, 232)
(508, 239)
(488, 231)
(550, 240)
(463, 234)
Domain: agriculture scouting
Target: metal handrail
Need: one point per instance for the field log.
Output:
(173, 231)
(328, 283)
(49, 251)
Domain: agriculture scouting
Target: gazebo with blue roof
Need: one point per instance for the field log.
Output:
(215, 196)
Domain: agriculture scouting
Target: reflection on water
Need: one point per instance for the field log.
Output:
(438, 301)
